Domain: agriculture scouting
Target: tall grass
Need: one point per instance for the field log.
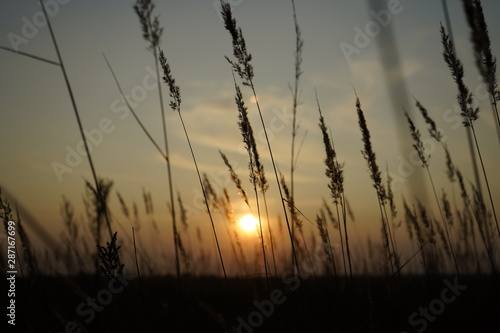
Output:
(424, 159)
(257, 175)
(78, 119)
(175, 104)
(299, 46)
(460, 228)
(468, 131)
(335, 173)
(469, 113)
(464, 235)
(242, 65)
(152, 34)
(376, 176)
(485, 61)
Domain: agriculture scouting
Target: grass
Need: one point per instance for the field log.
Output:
(152, 33)
(382, 286)
(334, 171)
(242, 65)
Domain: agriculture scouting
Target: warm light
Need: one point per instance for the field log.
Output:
(248, 223)
(253, 99)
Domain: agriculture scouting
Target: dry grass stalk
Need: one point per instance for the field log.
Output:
(152, 34)
(424, 159)
(335, 172)
(394, 226)
(469, 213)
(479, 209)
(98, 205)
(451, 170)
(299, 45)
(123, 205)
(183, 213)
(433, 253)
(137, 267)
(228, 211)
(469, 112)
(468, 130)
(175, 104)
(485, 61)
(257, 175)
(244, 69)
(236, 179)
(242, 65)
(110, 265)
(375, 174)
(295, 217)
(325, 241)
(77, 115)
(412, 221)
(229, 214)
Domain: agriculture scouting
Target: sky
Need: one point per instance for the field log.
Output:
(39, 130)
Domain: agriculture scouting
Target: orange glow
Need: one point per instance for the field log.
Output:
(248, 223)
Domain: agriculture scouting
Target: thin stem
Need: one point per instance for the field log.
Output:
(344, 217)
(468, 131)
(205, 197)
(443, 220)
(78, 120)
(332, 256)
(295, 92)
(411, 258)
(386, 235)
(392, 236)
(137, 267)
(341, 241)
(133, 112)
(486, 179)
(294, 253)
(477, 218)
(270, 234)
(30, 55)
(261, 233)
(494, 109)
(169, 169)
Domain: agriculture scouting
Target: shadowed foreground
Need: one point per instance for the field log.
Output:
(372, 304)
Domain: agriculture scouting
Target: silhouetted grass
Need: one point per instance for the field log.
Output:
(53, 285)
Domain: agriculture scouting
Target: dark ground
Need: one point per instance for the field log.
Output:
(370, 304)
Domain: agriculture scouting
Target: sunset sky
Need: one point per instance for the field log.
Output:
(38, 125)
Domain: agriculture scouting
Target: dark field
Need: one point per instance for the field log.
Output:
(428, 256)
(311, 305)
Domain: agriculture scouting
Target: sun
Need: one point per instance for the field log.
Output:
(248, 223)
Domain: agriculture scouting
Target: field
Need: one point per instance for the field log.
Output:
(210, 209)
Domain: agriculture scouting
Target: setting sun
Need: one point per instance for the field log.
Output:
(248, 223)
